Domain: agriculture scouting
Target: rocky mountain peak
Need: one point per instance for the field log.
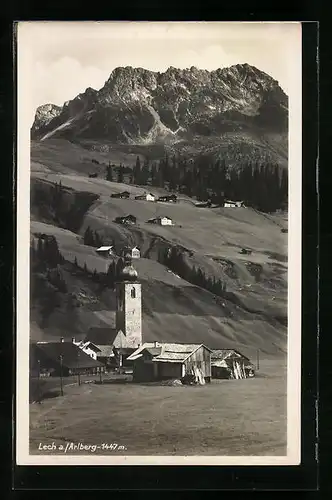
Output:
(44, 115)
(139, 106)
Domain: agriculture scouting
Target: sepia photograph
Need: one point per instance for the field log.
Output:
(159, 182)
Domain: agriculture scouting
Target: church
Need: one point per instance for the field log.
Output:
(127, 335)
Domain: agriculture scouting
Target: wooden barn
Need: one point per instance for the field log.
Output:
(106, 251)
(230, 364)
(162, 361)
(162, 221)
(124, 194)
(168, 198)
(146, 197)
(126, 219)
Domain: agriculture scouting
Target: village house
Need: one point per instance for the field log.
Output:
(162, 221)
(112, 346)
(126, 219)
(105, 251)
(88, 347)
(233, 204)
(128, 253)
(168, 198)
(162, 361)
(229, 363)
(63, 358)
(124, 194)
(135, 253)
(146, 197)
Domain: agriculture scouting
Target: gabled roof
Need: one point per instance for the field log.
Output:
(104, 249)
(105, 351)
(226, 353)
(72, 355)
(87, 344)
(167, 352)
(147, 346)
(101, 335)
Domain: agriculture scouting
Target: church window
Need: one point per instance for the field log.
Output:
(133, 293)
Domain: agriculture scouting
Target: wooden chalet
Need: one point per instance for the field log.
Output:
(162, 221)
(123, 194)
(126, 219)
(105, 251)
(172, 198)
(146, 197)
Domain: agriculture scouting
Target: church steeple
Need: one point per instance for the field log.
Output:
(129, 306)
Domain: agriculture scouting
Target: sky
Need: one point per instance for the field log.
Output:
(61, 59)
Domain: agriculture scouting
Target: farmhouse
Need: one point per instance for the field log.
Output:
(126, 219)
(160, 361)
(168, 198)
(162, 221)
(106, 250)
(124, 194)
(146, 197)
(229, 363)
(129, 253)
(88, 347)
(233, 204)
(135, 253)
(64, 358)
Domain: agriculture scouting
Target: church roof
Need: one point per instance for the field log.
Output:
(101, 336)
(129, 273)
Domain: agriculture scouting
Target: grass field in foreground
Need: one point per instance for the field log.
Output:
(226, 417)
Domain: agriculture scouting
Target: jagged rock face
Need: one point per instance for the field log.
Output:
(44, 115)
(137, 106)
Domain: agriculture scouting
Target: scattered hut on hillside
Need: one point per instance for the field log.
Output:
(146, 197)
(162, 221)
(229, 363)
(123, 194)
(126, 219)
(172, 198)
(129, 253)
(233, 204)
(162, 361)
(106, 251)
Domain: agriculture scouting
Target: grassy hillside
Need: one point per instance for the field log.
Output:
(252, 313)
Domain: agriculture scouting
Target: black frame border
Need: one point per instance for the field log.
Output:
(190, 478)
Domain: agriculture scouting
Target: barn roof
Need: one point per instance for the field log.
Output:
(167, 352)
(226, 353)
(72, 355)
(104, 249)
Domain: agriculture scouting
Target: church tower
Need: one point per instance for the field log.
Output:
(129, 307)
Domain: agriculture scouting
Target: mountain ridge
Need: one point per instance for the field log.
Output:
(176, 107)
